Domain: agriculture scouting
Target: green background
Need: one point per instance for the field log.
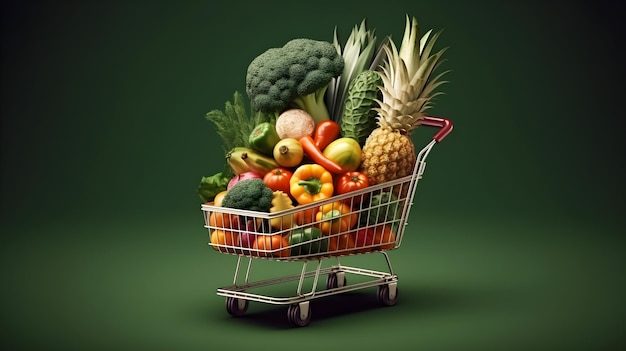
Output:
(515, 240)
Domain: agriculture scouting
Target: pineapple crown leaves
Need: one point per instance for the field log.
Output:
(359, 53)
(409, 51)
(408, 84)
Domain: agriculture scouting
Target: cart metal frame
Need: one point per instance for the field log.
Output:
(243, 287)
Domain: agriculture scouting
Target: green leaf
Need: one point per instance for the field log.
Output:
(234, 124)
(357, 52)
(212, 185)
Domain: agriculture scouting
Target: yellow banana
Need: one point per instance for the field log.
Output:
(243, 159)
(236, 163)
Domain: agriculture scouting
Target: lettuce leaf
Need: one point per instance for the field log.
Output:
(212, 185)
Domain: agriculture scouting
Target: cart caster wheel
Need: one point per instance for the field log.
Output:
(336, 280)
(388, 294)
(236, 307)
(299, 314)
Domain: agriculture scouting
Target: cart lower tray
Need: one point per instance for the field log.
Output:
(299, 310)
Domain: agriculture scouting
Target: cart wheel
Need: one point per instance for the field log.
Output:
(299, 314)
(236, 307)
(388, 294)
(336, 280)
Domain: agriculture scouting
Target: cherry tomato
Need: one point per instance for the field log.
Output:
(352, 181)
(278, 180)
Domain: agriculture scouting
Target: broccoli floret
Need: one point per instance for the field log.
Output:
(294, 76)
(249, 194)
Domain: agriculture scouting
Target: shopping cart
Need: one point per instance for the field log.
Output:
(369, 220)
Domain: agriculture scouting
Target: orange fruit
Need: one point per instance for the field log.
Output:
(221, 237)
(223, 220)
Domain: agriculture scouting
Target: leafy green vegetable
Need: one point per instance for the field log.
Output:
(213, 185)
(360, 52)
(234, 124)
(359, 116)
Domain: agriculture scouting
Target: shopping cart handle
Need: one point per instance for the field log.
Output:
(443, 123)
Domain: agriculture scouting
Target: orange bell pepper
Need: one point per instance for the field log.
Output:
(336, 217)
(311, 182)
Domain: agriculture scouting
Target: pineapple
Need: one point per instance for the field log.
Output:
(407, 91)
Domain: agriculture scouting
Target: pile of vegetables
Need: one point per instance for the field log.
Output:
(287, 147)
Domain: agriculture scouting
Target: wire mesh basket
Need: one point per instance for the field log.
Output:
(369, 220)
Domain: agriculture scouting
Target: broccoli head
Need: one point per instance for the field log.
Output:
(294, 76)
(249, 194)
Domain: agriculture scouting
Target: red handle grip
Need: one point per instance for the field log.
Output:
(443, 123)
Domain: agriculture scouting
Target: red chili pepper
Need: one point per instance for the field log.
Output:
(325, 132)
(309, 147)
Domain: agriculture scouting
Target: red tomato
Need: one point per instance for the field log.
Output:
(267, 245)
(341, 244)
(364, 239)
(278, 180)
(306, 216)
(352, 181)
(385, 237)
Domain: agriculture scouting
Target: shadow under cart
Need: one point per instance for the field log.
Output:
(309, 286)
